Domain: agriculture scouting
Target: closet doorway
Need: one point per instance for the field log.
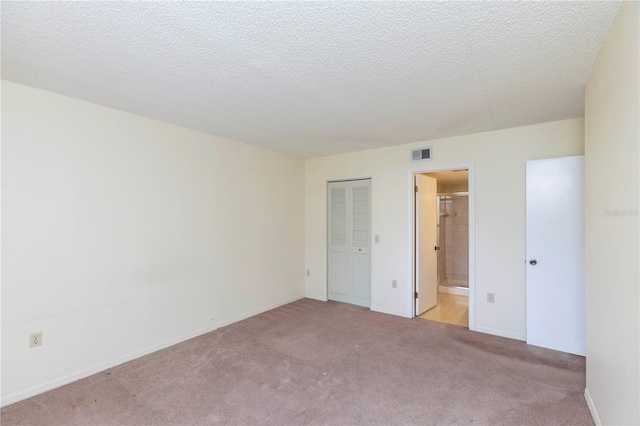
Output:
(349, 241)
(442, 246)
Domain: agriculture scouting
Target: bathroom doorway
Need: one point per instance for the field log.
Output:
(442, 269)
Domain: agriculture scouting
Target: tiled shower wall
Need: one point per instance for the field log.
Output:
(457, 240)
(453, 259)
(442, 254)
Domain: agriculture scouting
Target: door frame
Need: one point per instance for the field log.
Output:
(418, 169)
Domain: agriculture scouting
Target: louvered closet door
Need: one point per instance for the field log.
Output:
(338, 243)
(350, 242)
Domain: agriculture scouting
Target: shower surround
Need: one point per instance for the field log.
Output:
(453, 259)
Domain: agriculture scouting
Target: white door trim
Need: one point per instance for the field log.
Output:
(472, 252)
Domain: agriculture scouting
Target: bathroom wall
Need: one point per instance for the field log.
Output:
(453, 187)
(442, 255)
(457, 240)
(453, 259)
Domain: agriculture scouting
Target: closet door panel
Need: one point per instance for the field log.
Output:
(361, 279)
(361, 243)
(339, 277)
(349, 241)
(339, 244)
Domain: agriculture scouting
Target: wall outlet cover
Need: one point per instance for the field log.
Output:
(35, 339)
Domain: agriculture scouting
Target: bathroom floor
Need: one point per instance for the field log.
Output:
(451, 309)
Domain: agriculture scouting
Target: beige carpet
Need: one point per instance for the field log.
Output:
(313, 362)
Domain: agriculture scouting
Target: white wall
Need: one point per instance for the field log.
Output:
(612, 138)
(122, 234)
(499, 160)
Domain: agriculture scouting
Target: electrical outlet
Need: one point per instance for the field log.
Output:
(308, 272)
(394, 284)
(35, 339)
(491, 297)
(376, 238)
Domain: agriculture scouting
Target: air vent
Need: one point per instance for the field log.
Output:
(421, 154)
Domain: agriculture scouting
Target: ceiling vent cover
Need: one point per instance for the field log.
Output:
(421, 154)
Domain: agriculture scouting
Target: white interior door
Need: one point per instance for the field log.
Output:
(349, 237)
(426, 242)
(555, 254)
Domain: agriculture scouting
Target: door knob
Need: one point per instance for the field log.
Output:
(533, 262)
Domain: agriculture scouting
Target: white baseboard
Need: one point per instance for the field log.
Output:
(321, 298)
(592, 408)
(501, 333)
(61, 381)
(257, 311)
(390, 311)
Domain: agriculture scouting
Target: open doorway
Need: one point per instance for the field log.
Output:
(442, 246)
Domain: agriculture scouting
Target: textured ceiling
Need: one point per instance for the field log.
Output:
(314, 78)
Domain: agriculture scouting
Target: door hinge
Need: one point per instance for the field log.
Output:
(416, 294)
(416, 188)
